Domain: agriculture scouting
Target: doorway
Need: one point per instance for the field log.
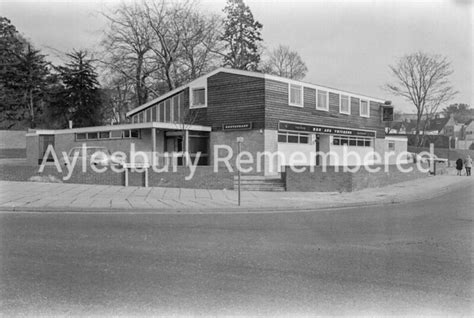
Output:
(44, 142)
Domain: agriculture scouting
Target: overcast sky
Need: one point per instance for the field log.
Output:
(345, 44)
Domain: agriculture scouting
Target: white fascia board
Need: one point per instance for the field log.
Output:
(170, 126)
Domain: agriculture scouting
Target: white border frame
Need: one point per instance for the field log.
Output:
(368, 108)
(191, 97)
(301, 95)
(327, 100)
(348, 102)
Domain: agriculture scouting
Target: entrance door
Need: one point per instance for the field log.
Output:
(44, 142)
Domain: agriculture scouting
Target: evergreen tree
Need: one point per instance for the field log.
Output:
(241, 37)
(81, 94)
(23, 73)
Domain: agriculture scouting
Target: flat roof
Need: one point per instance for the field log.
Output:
(157, 125)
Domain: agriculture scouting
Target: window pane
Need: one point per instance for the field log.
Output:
(81, 136)
(176, 109)
(344, 104)
(360, 143)
(293, 139)
(134, 133)
(352, 142)
(153, 113)
(92, 135)
(303, 139)
(161, 106)
(126, 133)
(344, 141)
(322, 99)
(364, 108)
(167, 111)
(295, 94)
(116, 134)
(336, 141)
(104, 135)
(281, 137)
(199, 96)
(140, 117)
(367, 143)
(148, 115)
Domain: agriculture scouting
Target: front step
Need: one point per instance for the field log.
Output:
(259, 183)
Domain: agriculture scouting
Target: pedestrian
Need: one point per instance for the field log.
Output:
(459, 166)
(468, 165)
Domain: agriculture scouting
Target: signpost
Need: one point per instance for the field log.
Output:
(240, 140)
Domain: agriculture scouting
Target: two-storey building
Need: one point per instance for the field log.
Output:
(274, 115)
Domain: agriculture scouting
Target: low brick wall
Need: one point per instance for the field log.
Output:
(203, 178)
(341, 181)
(13, 153)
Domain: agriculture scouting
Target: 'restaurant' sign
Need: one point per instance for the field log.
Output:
(324, 129)
(240, 126)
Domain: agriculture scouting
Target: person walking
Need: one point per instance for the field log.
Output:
(468, 165)
(459, 166)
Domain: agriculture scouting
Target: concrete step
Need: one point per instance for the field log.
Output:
(247, 177)
(260, 188)
(259, 182)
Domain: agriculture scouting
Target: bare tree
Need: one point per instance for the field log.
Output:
(422, 79)
(200, 39)
(183, 41)
(127, 47)
(282, 61)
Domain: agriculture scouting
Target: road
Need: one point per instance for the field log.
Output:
(408, 259)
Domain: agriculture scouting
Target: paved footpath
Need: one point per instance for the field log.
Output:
(36, 196)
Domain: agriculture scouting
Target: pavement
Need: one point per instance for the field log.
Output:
(37, 197)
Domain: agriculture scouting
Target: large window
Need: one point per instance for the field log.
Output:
(322, 100)
(351, 141)
(294, 138)
(148, 115)
(114, 134)
(296, 95)
(198, 97)
(345, 106)
(364, 108)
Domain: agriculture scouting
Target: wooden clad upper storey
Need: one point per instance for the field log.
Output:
(227, 96)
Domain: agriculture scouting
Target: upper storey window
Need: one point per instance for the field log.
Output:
(198, 97)
(296, 95)
(322, 102)
(344, 105)
(364, 108)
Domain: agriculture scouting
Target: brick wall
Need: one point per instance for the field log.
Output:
(65, 142)
(13, 153)
(12, 139)
(253, 143)
(340, 181)
(204, 177)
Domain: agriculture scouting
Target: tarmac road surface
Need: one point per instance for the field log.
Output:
(413, 258)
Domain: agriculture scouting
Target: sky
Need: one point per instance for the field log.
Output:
(347, 45)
